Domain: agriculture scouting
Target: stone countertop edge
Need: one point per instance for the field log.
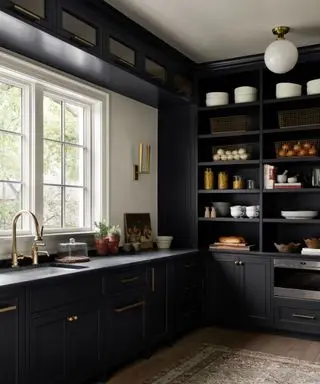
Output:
(9, 278)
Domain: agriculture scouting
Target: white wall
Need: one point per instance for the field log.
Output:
(132, 122)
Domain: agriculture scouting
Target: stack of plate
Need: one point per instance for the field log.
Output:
(217, 98)
(299, 215)
(288, 90)
(313, 87)
(245, 94)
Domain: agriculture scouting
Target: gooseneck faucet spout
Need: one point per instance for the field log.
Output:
(36, 242)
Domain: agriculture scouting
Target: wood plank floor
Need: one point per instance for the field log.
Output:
(137, 373)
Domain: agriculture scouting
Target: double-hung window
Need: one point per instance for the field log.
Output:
(52, 134)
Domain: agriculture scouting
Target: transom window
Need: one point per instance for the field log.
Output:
(50, 152)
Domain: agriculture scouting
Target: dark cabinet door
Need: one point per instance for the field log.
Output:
(83, 343)
(256, 289)
(156, 305)
(9, 342)
(47, 349)
(124, 327)
(226, 298)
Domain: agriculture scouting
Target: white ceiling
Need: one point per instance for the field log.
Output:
(208, 30)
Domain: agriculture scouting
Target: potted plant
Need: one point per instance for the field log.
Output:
(101, 238)
(114, 233)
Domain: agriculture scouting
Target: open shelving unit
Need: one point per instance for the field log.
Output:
(270, 227)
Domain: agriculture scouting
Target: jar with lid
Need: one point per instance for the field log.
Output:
(208, 179)
(223, 180)
(72, 249)
(238, 182)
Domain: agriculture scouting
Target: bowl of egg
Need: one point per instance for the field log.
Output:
(230, 154)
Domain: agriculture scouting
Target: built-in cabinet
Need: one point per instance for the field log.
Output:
(238, 289)
(11, 343)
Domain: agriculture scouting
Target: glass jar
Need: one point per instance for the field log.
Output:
(238, 182)
(222, 180)
(208, 179)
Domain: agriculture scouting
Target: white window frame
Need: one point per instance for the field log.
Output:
(40, 80)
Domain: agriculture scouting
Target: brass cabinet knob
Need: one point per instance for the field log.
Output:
(241, 262)
(75, 318)
(236, 262)
(70, 319)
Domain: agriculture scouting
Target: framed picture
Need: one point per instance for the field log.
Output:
(137, 227)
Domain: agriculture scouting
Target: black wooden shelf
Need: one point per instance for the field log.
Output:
(229, 134)
(292, 221)
(292, 190)
(230, 191)
(224, 163)
(301, 159)
(289, 99)
(229, 106)
(230, 219)
(299, 128)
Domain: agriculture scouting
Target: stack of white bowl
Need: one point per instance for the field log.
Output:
(164, 242)
(313, 87)
(245, 94)
(217, 98)
(288, 90)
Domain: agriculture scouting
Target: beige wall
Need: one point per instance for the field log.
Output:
(131, 122)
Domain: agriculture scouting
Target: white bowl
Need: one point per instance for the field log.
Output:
(299, 215)
(245, 91)
(248, 98)
(282, 178)
(288, 90)
(217, 98)
(313, 87)
(292, 179)
(164, 242)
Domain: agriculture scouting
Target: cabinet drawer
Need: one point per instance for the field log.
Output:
(123, 279)
(300, 316)
(63, 291)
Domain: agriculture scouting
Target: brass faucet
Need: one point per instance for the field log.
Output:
(36, 242)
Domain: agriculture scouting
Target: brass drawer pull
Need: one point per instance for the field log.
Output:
(82, 41)
(131, 280)
(26, 12)
(75, 318)
(304, 317)
(70, 319)
(8, 309)
(152, 284)
(128, 307)
(189, 265)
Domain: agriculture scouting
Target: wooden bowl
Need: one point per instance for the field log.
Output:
(288, 248)
(312, 243)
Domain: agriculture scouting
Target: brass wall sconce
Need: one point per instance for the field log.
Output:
(138, 169)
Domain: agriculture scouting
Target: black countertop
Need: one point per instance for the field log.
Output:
(21, 275)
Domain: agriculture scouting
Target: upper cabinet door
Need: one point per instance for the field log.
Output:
(155, 70)
(41, 12)
(122, 53)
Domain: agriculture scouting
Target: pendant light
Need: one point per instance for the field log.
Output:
(281, 55)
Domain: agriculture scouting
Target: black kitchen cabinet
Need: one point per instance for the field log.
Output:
(65, 345)
(157, 303)
(124, 327)
(188, 293)
(10, 339)
(238, 289)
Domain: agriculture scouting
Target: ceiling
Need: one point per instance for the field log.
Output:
(208, 30)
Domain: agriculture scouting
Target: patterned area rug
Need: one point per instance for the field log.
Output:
(220, 365)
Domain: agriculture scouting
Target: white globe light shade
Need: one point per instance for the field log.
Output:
(281, 56)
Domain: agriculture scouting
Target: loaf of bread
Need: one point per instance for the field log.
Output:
(231, 240)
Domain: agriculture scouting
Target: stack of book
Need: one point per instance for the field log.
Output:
(226, 246)
(287, 185)
(310, 252)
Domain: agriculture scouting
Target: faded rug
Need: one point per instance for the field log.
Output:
(213, 364)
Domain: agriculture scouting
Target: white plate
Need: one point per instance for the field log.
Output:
(299, 215)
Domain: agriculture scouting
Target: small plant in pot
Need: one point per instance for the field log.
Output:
(101, 238)
(114, 233)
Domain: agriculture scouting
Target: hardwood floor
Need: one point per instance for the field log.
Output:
(137, 373)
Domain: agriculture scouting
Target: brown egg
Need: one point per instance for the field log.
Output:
(297, 148)
(282, 153)
(290, 153)
(312, 152)
(302, 152)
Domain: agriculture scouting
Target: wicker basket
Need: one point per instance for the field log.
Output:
(298, 117)
(289, 150)
(236, 123)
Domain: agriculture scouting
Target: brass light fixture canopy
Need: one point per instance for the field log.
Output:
(280, 31)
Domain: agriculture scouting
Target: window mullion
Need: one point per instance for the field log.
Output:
(63, 164)
(37, 158)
